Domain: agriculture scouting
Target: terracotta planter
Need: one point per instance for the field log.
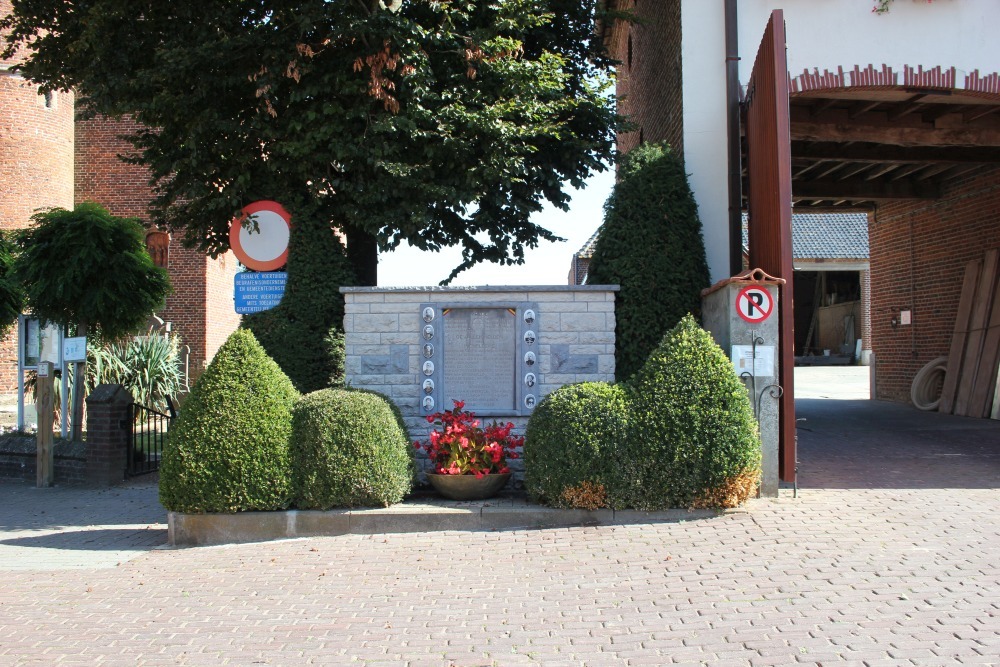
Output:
(467, 487)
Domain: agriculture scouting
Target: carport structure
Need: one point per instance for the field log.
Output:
(917, 149)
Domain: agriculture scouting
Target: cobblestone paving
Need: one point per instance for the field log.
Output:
(863, 567)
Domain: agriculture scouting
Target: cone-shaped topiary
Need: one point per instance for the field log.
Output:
(304, 333)
(651, 245)
(694, 440)
(228, 451)
(348, 450)
(569, 447)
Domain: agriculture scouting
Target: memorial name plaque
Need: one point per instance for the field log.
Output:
(480, 358)
(484, 354)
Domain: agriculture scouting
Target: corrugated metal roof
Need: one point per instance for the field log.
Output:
(826, 235)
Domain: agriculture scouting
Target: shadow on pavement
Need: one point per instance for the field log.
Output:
(99, 539)
(846, 444)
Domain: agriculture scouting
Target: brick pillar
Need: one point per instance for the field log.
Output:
(109, 414)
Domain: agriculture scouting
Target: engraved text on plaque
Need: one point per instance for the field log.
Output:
(480, 358)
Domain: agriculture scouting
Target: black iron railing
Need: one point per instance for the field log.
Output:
(150, 430)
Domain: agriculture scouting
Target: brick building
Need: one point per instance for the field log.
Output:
(894, 115)
(48, 159)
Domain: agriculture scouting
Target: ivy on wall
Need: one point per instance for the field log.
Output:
(882, 6)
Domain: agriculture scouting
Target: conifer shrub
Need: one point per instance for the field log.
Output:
(651, 245)
(570, 443)
(304, 333)
(349, 449)
(228, 450)
(694, 440)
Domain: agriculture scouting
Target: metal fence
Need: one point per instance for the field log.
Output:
(150, 430)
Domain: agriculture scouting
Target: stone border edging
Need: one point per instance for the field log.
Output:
(187, 530)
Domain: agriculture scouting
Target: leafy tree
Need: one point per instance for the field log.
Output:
(651, 245)
(11, 295)
(438, 123)
(90, 269)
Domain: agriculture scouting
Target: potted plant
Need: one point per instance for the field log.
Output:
(469, 461)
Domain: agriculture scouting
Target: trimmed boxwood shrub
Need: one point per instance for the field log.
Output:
(695, 440)
(651, 245)
(569, 446)
(228, 450)
(348, 450)
(681, 433)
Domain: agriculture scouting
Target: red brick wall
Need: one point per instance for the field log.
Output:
(36, 168)
(649, 81)
(198, 306)
(918, 254)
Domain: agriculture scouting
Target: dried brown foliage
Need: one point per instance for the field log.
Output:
(732, 493)
(585, 496)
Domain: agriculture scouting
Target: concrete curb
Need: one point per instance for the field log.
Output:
(187, 530)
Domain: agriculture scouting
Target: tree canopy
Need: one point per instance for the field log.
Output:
(436, 122)
(88, 268)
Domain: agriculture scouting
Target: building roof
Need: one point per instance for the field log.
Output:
(587, 251)
(826, 235)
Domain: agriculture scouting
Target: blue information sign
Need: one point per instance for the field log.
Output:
(256, 292)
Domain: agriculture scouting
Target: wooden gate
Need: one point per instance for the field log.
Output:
(769, 196)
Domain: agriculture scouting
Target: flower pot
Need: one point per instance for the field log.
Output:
(468, 487)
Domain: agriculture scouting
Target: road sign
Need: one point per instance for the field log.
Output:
(754, 304)
(266, 247)
(256, 292)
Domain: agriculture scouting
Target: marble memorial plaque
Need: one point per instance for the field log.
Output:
(480, 359)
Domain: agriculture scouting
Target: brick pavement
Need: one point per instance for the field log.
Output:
(861, 568)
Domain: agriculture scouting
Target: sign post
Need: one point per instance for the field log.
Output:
(44, 407)
(741, 314)
(259, 239)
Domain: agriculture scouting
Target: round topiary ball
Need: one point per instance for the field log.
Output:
(694, 439)
(228, 449)
(348, 450)
(569, 447)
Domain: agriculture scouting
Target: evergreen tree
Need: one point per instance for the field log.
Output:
(651, 245)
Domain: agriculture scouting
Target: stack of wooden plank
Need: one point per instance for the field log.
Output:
(970, 384)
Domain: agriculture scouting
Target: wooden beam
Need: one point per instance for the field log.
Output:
(896, 136)
(865, 190)
(884, 153)
(959, 335)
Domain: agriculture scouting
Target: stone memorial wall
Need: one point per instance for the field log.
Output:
(499, 349)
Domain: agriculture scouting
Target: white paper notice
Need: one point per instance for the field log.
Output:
(744, 362)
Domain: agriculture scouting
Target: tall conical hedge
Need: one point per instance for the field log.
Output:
(304, 333)
(229, 449)
(651, 245)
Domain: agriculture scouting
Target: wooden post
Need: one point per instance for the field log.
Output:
(44, 407)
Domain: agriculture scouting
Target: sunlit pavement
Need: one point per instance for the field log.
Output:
(886, 557)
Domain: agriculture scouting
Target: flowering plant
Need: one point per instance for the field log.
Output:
(462, 447)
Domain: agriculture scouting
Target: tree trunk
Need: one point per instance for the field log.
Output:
(79, 376)
(362, 251)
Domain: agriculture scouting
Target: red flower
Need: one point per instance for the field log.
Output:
(462, 445)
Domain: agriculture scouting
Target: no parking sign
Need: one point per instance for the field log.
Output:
(754, 304)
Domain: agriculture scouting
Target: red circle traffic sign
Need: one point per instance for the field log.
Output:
(754, 304)
(267, 248)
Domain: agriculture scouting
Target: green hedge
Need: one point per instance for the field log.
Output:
(568, 459)
(228, 450)
(348, 450)
(651, 245)
(681, 433)
(699, 443)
